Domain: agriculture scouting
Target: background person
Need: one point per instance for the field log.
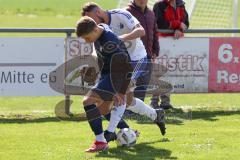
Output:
(146, 17)
(170, 14)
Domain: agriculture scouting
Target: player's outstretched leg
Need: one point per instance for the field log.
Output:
(157, 115)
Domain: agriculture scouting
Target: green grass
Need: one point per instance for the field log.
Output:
(46, 105)
(213, 14)
(203, 126)
(49, 7)
(43, 14)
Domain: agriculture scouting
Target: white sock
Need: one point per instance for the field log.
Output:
(100, 138)
(138, 106)
(116, 116)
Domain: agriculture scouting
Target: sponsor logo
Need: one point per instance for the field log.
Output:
(182, 63)
(224, 73)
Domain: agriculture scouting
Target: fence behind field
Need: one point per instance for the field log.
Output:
(207, 64)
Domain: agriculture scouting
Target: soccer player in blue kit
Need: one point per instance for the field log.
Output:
(114, 80)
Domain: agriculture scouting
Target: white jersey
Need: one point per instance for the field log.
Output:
(123, 22)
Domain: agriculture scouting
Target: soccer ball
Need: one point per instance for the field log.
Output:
(126, 137)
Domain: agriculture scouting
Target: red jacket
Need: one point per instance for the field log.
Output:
(148, 21)
(168, 17)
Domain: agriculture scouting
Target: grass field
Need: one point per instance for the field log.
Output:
(43, 14)
(202, 126)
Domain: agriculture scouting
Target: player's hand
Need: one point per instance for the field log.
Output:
(119, 99)
(183, 26)
(178, 34)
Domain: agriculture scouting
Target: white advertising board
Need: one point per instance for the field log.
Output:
(194, 65)
(25, 65)
(187, 60)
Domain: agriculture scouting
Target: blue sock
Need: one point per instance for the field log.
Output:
(94, 118)
(122, 124)
(108, 116)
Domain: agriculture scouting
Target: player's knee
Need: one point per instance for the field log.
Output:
(105, 107)
(129, 99)
(131, 102)
(128, 102)
(104, 111)
(87, 101)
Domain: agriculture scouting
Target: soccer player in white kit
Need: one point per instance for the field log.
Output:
(128, 28)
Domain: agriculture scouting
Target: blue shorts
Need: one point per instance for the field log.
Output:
(104, 88)
(139, 68)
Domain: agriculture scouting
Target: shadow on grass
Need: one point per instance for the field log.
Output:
(203, 114)
(143, 151)
(177, 116)
(32, 119)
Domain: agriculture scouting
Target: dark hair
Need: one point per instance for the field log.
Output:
(89, 7)
(85, 25)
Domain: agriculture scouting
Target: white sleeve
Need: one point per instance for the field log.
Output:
(129, 19)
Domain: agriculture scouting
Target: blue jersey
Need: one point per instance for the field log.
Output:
(106, 46)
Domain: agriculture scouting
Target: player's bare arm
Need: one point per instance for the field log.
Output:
(137, 32)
